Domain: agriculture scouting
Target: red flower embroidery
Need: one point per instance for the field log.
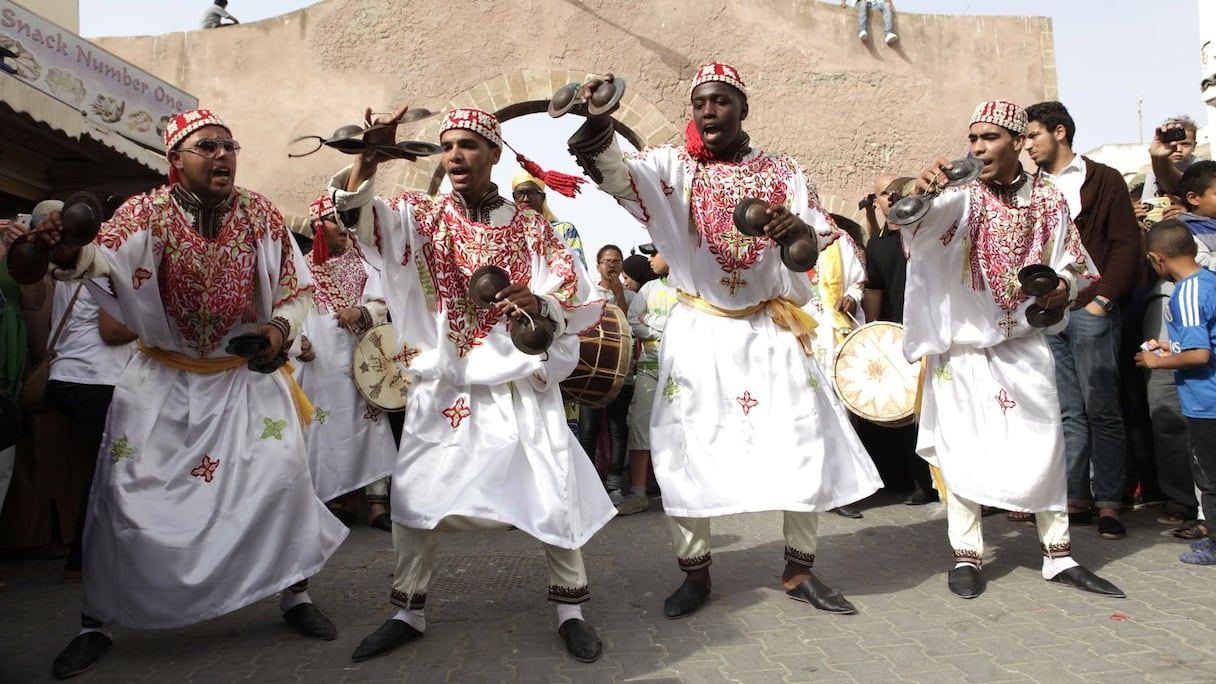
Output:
(457, 412)
(206, 469)
(339, 282)
(407, 355)
(1005, 402)
(747, 402)
(667, 189)
(139, 276)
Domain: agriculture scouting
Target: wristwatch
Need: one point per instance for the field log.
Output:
(1106, 304)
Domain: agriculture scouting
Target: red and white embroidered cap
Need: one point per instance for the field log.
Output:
(182, 125)
(1002, 113)
(480, 122)
(322, 207)
(717, 71)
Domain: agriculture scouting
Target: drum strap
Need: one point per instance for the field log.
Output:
(784, 312)
(190, 364)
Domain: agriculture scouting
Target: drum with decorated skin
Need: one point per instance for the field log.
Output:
(873, 379)
(605, 357)
(377, 370)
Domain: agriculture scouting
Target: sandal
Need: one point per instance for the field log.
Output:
(1192, 532)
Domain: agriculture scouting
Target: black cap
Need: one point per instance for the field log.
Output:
(638, 268)
(648, 249)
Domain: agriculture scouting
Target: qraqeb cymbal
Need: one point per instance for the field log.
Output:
(349, 139)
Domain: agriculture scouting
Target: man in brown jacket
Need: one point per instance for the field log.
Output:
(1087, 375)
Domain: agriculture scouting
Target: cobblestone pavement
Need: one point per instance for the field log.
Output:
(488, 620)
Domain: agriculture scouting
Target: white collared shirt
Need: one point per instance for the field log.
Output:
(1069, 181)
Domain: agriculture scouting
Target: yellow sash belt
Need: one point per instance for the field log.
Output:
(785, 313)
(190, 364)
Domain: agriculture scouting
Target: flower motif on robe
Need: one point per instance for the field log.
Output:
(139, 276)
(339, 282)
(747, 402)
(319, 415)
(457, 412)
(121, 449)
(273, 428)
(372, 413)
(671, 389)
(206, 468)
(1005, 402)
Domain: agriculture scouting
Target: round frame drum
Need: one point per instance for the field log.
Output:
(378, 377)
(604, 358)
(872, 378)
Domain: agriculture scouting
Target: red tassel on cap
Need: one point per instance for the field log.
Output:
(695, 146)
(320, 245)
(561, 183)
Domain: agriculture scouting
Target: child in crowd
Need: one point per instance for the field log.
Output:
(1191, 319)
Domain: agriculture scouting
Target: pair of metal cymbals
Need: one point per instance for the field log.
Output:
(913, 208)
(1038, 280)
(350, 140)
(604, 98)
(798, 254)
(530, 335)
(81, 218)
(250, 345)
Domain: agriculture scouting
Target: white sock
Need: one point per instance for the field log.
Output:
(962, 564)
(289, 599)
(85, 630)
(414, 617)
(1054, 566)
(638, 491)
(567, 611)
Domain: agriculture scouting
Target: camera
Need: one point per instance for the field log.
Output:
(1170, 135)
(867, 202)
(24, 220)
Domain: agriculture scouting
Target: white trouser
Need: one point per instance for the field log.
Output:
(690, 537)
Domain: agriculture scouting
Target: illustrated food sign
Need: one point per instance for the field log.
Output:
(107, 90)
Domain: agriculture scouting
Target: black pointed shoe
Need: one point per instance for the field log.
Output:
(390, 635)
(311, 622)
(1084, 579)
(821, 596)
(686, 600)
(965, 581)
(581, 640)
(80, 655)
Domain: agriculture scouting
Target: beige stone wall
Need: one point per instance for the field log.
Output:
(846, 110)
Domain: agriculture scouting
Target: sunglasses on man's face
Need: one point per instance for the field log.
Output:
(210, 147)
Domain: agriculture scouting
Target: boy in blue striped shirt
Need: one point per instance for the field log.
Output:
(1191, 320)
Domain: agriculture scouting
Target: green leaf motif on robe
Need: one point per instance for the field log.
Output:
(943, 374)
(671, 389)
(121, 449)
(274, 428)
(319, 415)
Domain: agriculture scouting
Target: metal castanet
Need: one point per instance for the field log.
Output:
(798, 254)
(603, 99)
(1038, 280)
(913, 208)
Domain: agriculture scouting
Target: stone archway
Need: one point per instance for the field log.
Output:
(527, 91)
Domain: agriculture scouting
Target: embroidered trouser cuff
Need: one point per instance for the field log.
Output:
(967, 538)
(690, 539)
(417, 551)
(377, 492)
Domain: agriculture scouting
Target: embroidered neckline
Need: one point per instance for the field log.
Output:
(205, 220)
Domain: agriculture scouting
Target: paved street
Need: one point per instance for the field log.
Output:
(488, 620)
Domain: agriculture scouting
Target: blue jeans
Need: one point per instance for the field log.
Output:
(863, 15)
(1087, 380)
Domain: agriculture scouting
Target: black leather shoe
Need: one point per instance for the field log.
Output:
(1084, 579)
(920, 496)
(965, 581)
(686, 600)
(311, 622)
(847, 512)
(382, 522)
(390, 635)
(821, 596)
(580, 639)
(80, 655)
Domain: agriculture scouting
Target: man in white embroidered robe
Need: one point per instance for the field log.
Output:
(202, 501)
(349, 441)
(486, 440)
(989, 416)
(749, 422)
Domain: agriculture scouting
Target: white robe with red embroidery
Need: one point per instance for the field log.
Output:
(201, 502)
(485, 434)
(743, 419)
(350, 444)
(990, 419)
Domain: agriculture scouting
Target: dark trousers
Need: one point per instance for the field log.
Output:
(1170, 444)
(893, 451)
(617, 412)
(87, 405)
(1202, 442)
